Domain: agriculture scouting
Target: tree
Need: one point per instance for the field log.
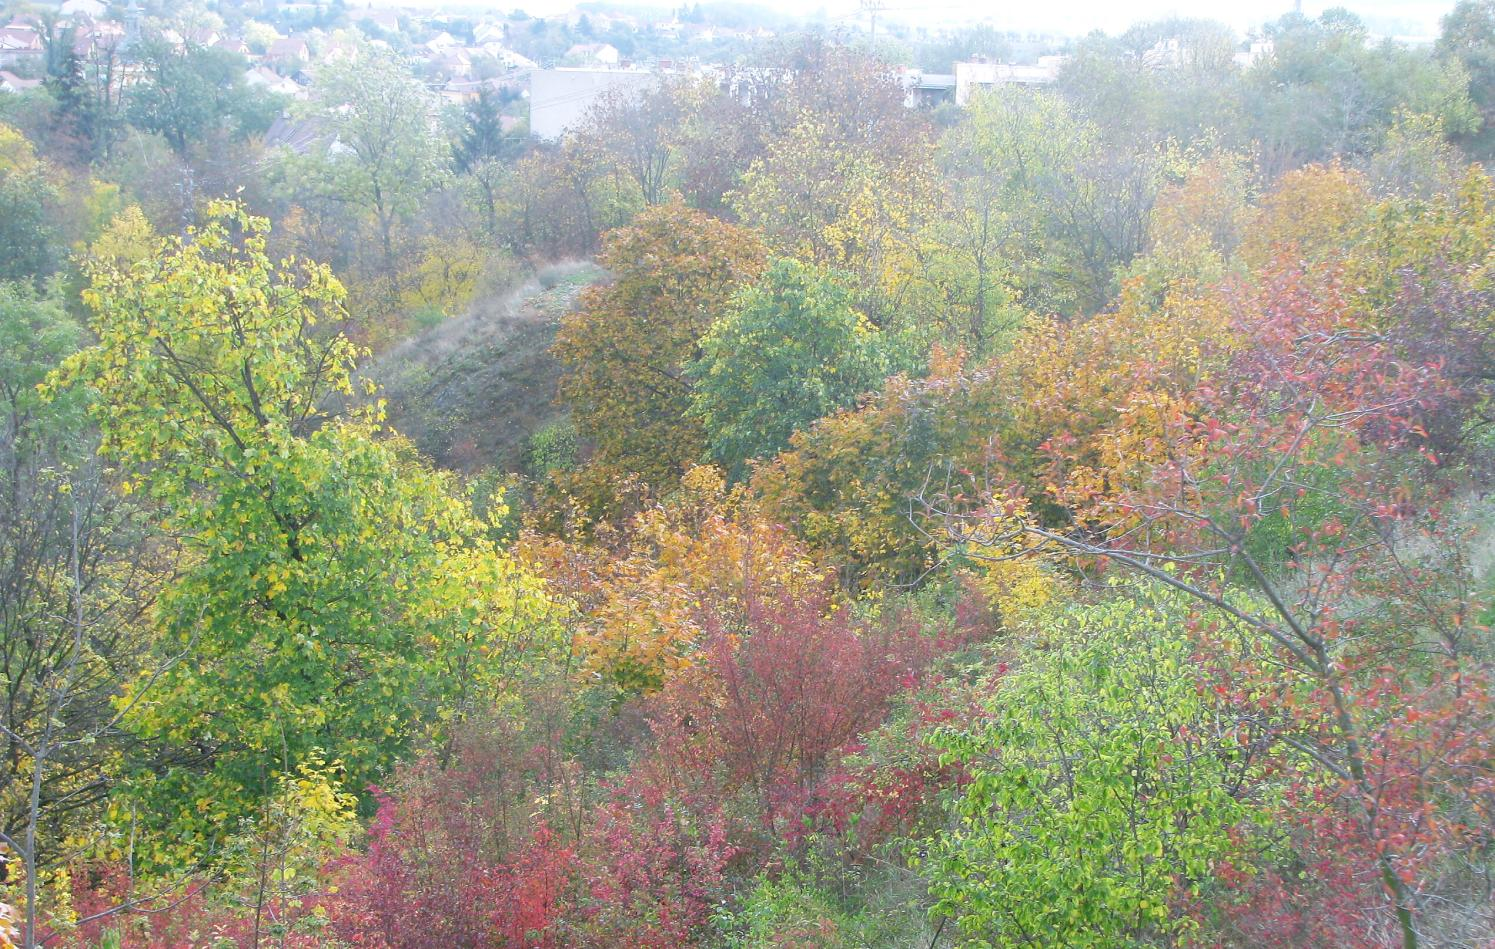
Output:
(384, 154)
(340, 594)
(648, 600)
(634, 131)
(1069, 209)
(184, 93)
(27, 219)
(1113, 83)
(1326, 92)
(482, 138)
(790, 350)
(1468, 35)
(77, 577)
(848, 484)
(1098, 793)
(625, 350)
(975, 43)
(1283, 495)
(88, 92)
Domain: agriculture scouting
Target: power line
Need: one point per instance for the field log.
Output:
(873, 8)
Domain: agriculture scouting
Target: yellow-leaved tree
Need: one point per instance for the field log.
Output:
(338, 593)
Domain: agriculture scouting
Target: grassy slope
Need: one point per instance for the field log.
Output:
(472, 390)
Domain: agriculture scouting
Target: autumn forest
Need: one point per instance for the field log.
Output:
(778, 513)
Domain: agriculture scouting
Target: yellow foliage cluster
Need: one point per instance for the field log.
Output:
(851, 484)
(17, 155)
(1315, 210)
(1102, 398)
(447, 275)
(1017, 588)
(645, 600)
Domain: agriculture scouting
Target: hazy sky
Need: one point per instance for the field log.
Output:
(1080, 16)
(1386, 17)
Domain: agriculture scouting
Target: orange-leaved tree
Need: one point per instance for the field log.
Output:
(647, 593)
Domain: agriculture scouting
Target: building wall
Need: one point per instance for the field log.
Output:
(970, 77)
(560, 98)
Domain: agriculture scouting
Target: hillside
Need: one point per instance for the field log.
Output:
(470, 392)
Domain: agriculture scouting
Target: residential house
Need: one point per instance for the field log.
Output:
(507, 57)
(97, 36)
(201, 36)
(386, 20)
(262, 77)
(451, 64)
(594, 54)
(490, 31)
(297, 135)
(1255, 52)
(288, 54)
(1165, 54)
(20, 44)
(339, 50)
(926, 90)
(13, 84)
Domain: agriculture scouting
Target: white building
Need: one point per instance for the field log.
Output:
(969, 77)
(560, 98)
(268, 79)
(11, 83)
(507, 57)
(1254, 53)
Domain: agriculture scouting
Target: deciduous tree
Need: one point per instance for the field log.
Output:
(341, 597)
(625, 350)
(790, 350)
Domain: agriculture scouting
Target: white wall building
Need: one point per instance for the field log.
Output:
(969, 77)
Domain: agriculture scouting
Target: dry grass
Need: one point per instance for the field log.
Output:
(471, 391)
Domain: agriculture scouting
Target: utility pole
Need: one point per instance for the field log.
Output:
(873, 8)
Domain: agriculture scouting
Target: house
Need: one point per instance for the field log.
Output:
(232, 45)
(299, 136)
(924, 90)
(288, 54)
(386, 20)
(1254, 53)
(490, 32)
(443, 42)
(1165, 54)
(262, 77)
(971, 77)
(20, 43)
(96, 36)
(594, 54)
(507, 57)
(452, 64)
(461, 91)
(13, 84)
(202, 36)
(560, 98)
(339, 50)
